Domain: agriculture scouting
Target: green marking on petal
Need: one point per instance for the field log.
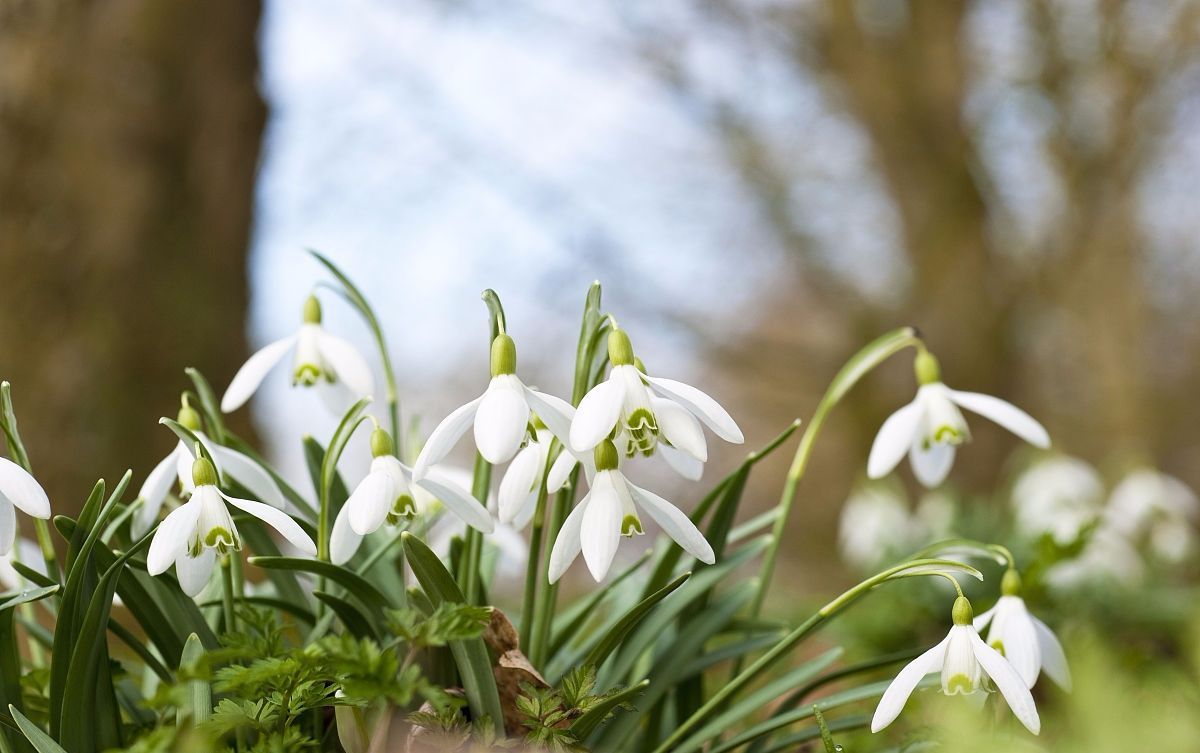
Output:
(631, 526)
(306, 375)
(960, 684)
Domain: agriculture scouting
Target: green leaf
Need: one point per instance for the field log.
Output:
(574, 617)
(188, 437)
(351, 616)
(761, 698)
(796, 740)
(587, 723)
(669, 666)
(199, 691)
(471, 656)
(653, 629)
(31, 595)
(629, 621)
(370, 596)
(42, 742)
(836, 700)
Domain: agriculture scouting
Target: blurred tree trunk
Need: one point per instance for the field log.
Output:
(129, 138)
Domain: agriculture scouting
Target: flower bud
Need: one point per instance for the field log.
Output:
(927, 368)
(203, 472)
(620, 350)
(605, 456)
(1010, 584)
(504, 355)
(381, 443)
(189, 418)
(962, 612)
(312, 310)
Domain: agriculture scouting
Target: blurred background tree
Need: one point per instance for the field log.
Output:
(129, 139)
(763, 186)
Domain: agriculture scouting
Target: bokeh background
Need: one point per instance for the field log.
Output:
(761, 186)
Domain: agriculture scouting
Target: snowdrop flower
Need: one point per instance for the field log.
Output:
(1023, 639)
(1155, 505)
(177, 466)
(964, 661)
(610, 511)
(502, 415)
(321, 360)
(1107, 558)
(875, 522)
(26, 552)
(642, 414)
(521, 483)
(193, 534)
(1060, 496)
(18, 490)
(930, 428)
(388, 494)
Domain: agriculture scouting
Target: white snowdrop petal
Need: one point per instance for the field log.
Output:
(601, 531)
(457, 500)
(1008, 682)
(1019, 640)
(170, 539)
(153, 493)
(8, 526)
(560, 471)
(931, 465)
(343, 541)
(1054, 659)
(680, 428)
(445, 436)
(897, 693)
(597, 415)
(674, 523)
(894, 439)
(23, 490)
(523, 475)
(568, 544)
(277, 519)
(555, 412)
(1004, 413)
(981, 620)
(247, 379)
(194, 572)
(246, 472)
(704, 407)
(349, 366)
(502, 420)
(681, 462)
(368, 505)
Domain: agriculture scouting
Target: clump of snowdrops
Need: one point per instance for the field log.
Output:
(219, 607)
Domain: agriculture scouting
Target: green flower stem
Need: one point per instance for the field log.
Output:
(468, 572)
(529, 602)
(352, 294)
(781, 649)
(227, 593)
(859, 365)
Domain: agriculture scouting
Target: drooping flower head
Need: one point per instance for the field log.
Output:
(964, 662)
(609, 511)
(645, 415)
(503, 416)
(177, 467)
(328, 363)
(194, 533)
(18, 490)
(1028, 644)
(931, 427)
(389, 494)
(1060, 496)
